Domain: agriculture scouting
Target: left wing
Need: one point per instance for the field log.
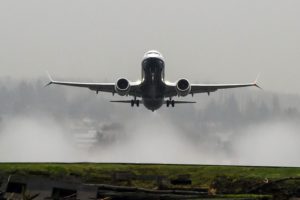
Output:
(98, 87)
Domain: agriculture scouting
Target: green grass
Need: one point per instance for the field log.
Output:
(244, 196)
(227, 180)
(201, 175)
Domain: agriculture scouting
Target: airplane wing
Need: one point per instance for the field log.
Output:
(206, 88)
(98, 87)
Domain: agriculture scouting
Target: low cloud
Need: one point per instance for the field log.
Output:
(35, 140)
(152, 139)
(275, 143)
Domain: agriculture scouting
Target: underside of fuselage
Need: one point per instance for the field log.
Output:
(153, 85)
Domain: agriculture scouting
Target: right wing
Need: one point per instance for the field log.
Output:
(206, 88)
(98, 87)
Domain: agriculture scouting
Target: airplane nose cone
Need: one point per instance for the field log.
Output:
(153, 54)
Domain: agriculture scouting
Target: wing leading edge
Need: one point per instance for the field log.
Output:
(98, 87)
(208, 88)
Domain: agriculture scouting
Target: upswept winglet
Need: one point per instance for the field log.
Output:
(256, 80)
(50, 78)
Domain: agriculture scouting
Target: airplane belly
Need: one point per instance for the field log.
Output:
(153, 87)
(153, 97)
(152, 104)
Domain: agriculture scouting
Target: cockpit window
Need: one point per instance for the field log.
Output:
(155, 53)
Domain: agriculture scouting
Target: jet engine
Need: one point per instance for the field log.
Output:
(183, 87)
(122, 87)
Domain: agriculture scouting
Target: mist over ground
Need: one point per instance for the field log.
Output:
(59, 124)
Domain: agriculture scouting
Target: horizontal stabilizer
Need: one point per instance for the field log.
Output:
(181, 102)
(124, 101)
(121, 101)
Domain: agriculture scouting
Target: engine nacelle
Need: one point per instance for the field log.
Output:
(122, 87)
(183, 87)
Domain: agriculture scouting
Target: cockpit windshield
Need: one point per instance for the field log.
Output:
(153, 52)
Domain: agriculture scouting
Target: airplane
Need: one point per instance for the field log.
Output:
(152, 90)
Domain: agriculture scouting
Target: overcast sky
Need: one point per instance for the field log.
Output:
(216, 41)
(222, 41)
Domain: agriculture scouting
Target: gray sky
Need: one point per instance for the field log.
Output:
(216, 41)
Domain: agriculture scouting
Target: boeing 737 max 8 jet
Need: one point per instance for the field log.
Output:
(153, 90)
